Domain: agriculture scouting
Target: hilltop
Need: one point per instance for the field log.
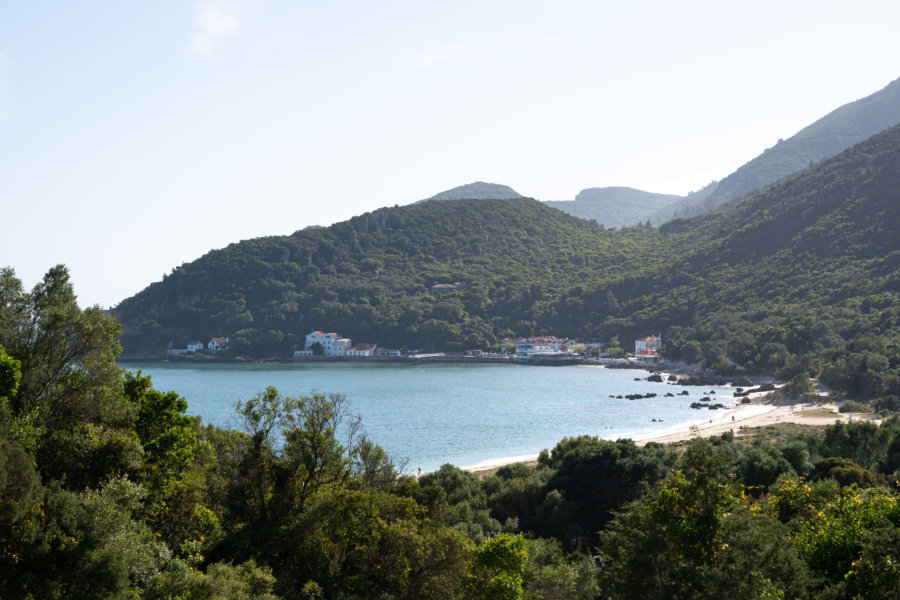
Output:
(828, 136)
(478, 190)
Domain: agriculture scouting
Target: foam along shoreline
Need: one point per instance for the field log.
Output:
(750, 415)
(756, 414)
(495, 463)
(743, 414)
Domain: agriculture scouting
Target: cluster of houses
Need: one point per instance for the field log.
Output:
(645, 349)
(194, 346)
(534, 345)
(333, 344)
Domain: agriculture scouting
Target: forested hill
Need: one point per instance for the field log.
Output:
(614, 206)
(370, 278)
(799, 277)
(803, 277)
(833, 133)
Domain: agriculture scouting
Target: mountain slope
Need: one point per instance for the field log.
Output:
(833, 133)
(614, 206)
(802, 276)
(370, 278)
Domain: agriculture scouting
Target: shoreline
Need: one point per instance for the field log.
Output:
(760, 412)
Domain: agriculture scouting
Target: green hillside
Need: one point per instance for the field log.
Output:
(828, 136)
(803, 276)
(614, 206)
(370, 277)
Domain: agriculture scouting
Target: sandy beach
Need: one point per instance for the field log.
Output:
(760, 412)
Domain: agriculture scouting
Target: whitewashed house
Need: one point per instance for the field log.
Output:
(362, 350)
(652, 342)
(218, 343)
(195, 346)
(332, 343)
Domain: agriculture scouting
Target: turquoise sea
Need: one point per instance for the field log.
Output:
(462, 414)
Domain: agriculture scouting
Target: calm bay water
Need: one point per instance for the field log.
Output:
(462, 414)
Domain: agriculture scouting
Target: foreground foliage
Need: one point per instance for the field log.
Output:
(108, 490)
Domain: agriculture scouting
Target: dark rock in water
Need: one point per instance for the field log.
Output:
(745, 401)
(740, 389)
(709, 406)
(684, 393)
(670, 395)
(655, 377)
(705, 399)
(637, 378)
(673, 378)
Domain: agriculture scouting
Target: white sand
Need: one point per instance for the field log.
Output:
(756, 414)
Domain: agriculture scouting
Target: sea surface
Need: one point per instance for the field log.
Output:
(467, 415)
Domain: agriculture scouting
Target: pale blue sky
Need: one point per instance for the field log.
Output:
(137, 136)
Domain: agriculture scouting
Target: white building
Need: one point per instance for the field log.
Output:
(194, 346)
(332, 343)
(646, 344)
(218, 343)
(361, 350)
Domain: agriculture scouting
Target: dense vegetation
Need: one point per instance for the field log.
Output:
(369, 278)
(108, 490)
(799, 279)
(614, 206)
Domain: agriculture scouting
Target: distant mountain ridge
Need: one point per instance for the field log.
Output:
(614, 206)
(478, 190)
(830, 135)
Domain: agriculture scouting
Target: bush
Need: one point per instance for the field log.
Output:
(852, 406)
(888, 403)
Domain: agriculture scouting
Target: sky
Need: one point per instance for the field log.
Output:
(137, 136)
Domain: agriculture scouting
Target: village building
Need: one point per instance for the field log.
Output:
(652, 342)
(388, 352)
(195, 346)
(647, 349)
(543, 343)
(218, 343)
(332, 344)
(362, 350)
